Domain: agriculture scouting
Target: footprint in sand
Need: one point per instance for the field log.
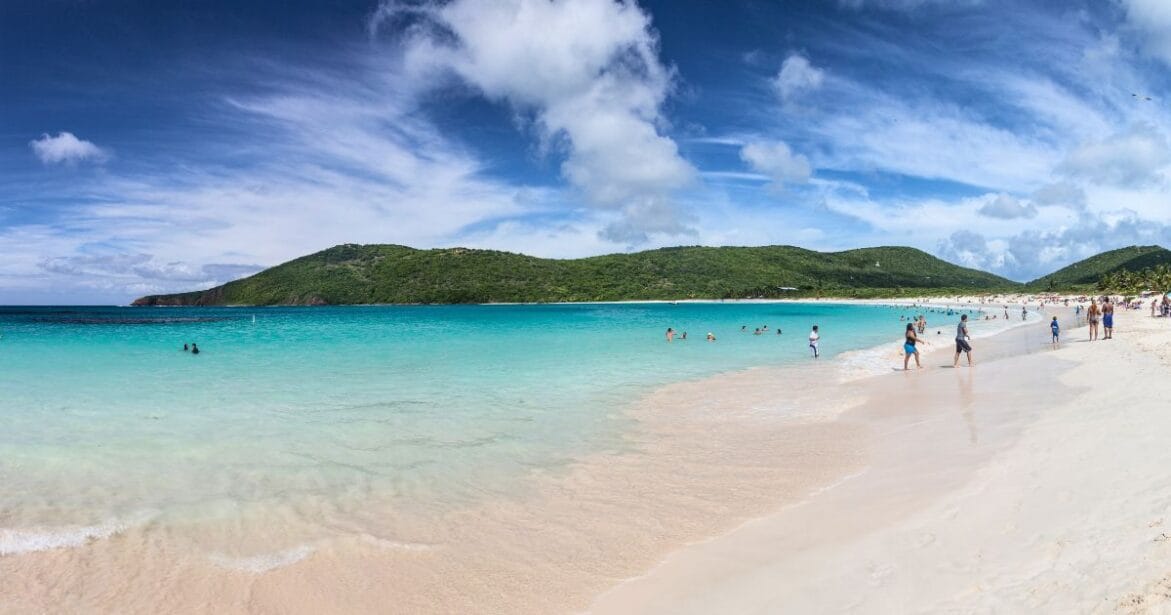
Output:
(880, 573)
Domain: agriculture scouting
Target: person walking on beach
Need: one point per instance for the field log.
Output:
(1092, 314)
(1056, 330)
(814, 338)
(910, 348)
(962, 344)
(1107, 319)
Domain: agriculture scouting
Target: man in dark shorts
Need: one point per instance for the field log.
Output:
(962, 344)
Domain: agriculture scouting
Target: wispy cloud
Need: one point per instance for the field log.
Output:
(334, 159)
(1134, 157)
(907, 5)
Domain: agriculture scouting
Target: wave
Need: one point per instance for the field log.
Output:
(265, 562)
(27, 540)
(395, 545)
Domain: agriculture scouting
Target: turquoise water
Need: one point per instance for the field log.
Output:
(103, 416)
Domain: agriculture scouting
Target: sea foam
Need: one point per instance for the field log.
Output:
(264, 562)
(15, 541)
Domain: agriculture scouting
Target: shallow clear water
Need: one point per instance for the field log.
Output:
(104, 419)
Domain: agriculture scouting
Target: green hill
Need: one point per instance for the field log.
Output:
(355, 274)
(1085, 274)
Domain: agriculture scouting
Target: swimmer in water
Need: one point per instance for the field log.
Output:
(194, 348)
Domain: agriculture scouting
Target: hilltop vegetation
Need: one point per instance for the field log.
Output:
(357, 274)
(1088, 274)
(1157, 278)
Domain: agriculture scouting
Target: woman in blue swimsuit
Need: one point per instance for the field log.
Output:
(909, 348)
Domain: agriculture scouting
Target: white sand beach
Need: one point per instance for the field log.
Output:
(1034, 481)
(1031, 484)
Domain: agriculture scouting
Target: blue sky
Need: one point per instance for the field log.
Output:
(162, 146)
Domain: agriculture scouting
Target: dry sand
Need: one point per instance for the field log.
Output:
(1041, 487)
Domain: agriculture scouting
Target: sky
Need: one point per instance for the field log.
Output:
(150, 147)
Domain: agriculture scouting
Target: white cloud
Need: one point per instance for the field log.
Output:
(587, 71)
(65, 148)
(1061, 194)
(796, 77)
(1008, 207)
(1130, 158)
(1152, 18)
(137, 267)
(974, 250)
(778, 161)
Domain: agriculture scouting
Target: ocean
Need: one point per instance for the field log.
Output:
(296, 424)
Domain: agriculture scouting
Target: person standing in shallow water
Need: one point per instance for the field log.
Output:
(814, 338)
(910, 348)
(962, 344)
(670, 334)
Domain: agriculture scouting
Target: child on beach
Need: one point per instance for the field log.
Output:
(1056, 329)
(814, 337)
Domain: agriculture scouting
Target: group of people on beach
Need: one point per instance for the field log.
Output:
(911, 341)
(1103, 313)
(1096, 314)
